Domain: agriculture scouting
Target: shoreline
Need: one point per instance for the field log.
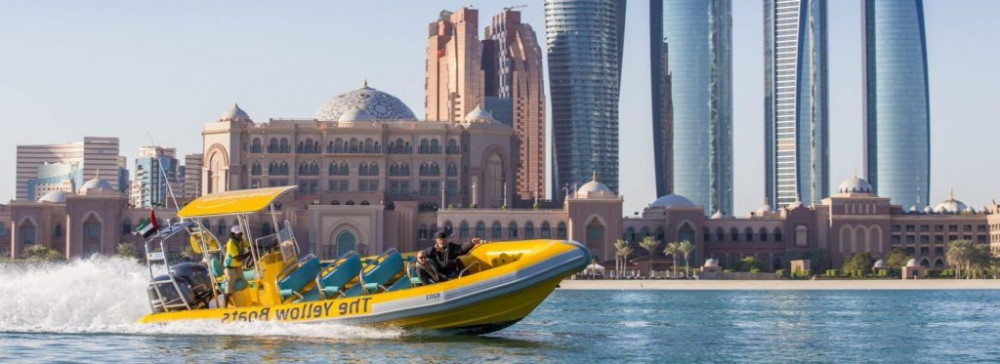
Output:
(780, 285)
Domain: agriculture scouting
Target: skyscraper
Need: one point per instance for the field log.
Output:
(515, 81)
(796, 127)
(584, 41)
(454, 85)
(663, 128)
(154, 169)
(897, 106)
(698, 34)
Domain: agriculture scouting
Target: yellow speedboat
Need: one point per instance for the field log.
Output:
(500, 284)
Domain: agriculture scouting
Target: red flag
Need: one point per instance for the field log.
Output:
(152, 220)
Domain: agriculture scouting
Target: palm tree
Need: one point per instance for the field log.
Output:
(685, 247)
(673, 249)
(622, 251)
(650, 244)
(959, 255)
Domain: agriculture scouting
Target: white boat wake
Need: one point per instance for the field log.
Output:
(108, 295)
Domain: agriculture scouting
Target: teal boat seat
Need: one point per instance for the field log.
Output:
(295, 282)
(216, 266)
(380, 276)
(333, 282)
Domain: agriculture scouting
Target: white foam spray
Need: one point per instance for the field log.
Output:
(108, 295)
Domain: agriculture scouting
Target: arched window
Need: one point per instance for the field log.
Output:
(463, 230)
(373, 169)
(686, 233)
(369, 145)
(748, 233)
(435, 148)
(57, 232)
(424, 147)
(346, 242)
(595, 235)
(330, 148)
(644, 232)
(777, 234)
(255, 146)
(220, 229)
(480, 229)
(659, 234)
(629, 234)
(344, 170)
(333, 169)
(299, 148)
(561, 230)
(497, 230)
(406, 148)
(284, 147)
(378, 148)
(256, 169)
(734, 234)
(512, 230)
(338, 145)
(354, 145)
(126, 226)
(91, 236)
(361, 146)
(452, 170)
(272, 145)
(422, 232)
(705, 234)
(313, 169)
(529, 230)
(404, 170)
(546, 230)
(452, 147)
(363, 169)
(27, 233)
(763, 234)
(719, 235)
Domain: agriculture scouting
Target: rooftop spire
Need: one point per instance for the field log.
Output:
(594, 178)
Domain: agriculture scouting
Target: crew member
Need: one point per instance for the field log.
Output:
(236, 251)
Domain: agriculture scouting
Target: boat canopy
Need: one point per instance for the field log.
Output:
(233, 202)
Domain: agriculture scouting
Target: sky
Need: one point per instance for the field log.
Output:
(127, 68)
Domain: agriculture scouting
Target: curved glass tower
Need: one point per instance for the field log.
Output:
(897, 107)
(698, 66)
(795, 102)
(584, 41)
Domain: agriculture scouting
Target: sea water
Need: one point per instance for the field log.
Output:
(85, 311)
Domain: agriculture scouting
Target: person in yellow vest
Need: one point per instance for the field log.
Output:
(236, 250)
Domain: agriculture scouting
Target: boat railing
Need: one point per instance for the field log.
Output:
(162, 256)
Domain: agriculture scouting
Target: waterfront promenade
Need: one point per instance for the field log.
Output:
(800, 285)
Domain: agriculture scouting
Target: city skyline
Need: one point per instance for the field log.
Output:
(58, 97)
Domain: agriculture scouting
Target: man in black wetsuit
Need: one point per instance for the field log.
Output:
(440, 262)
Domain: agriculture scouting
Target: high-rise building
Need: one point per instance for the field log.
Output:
(92, 155)
(796, 127)
(155, 167)
(897, 106)
(192, 175)
(584, 40)
(454, 85)
(515, 94)
(662, 101)
(698, 34)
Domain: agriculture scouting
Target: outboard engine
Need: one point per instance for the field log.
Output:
(193, 282)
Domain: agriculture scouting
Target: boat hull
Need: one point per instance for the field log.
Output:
(483, 302)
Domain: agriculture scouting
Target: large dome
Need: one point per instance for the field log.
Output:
(672, 201)
(855, 185)
(54, 197)
(383, 106)
(951, 205)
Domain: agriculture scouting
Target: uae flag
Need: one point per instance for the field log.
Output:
(148, 227)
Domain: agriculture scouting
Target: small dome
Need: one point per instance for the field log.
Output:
(594, 189)
(911, 263)
(855, 185)
(382, 106)
(356, 115)
(235, 114)
(96, 185)
(711, 263)
(913, 209)
(54, 197)
(970, 210)
(672, 201)
(718, 215)
(879, 264)
(928, 210)
(794, 205)
(951, 205)
(478, 115)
